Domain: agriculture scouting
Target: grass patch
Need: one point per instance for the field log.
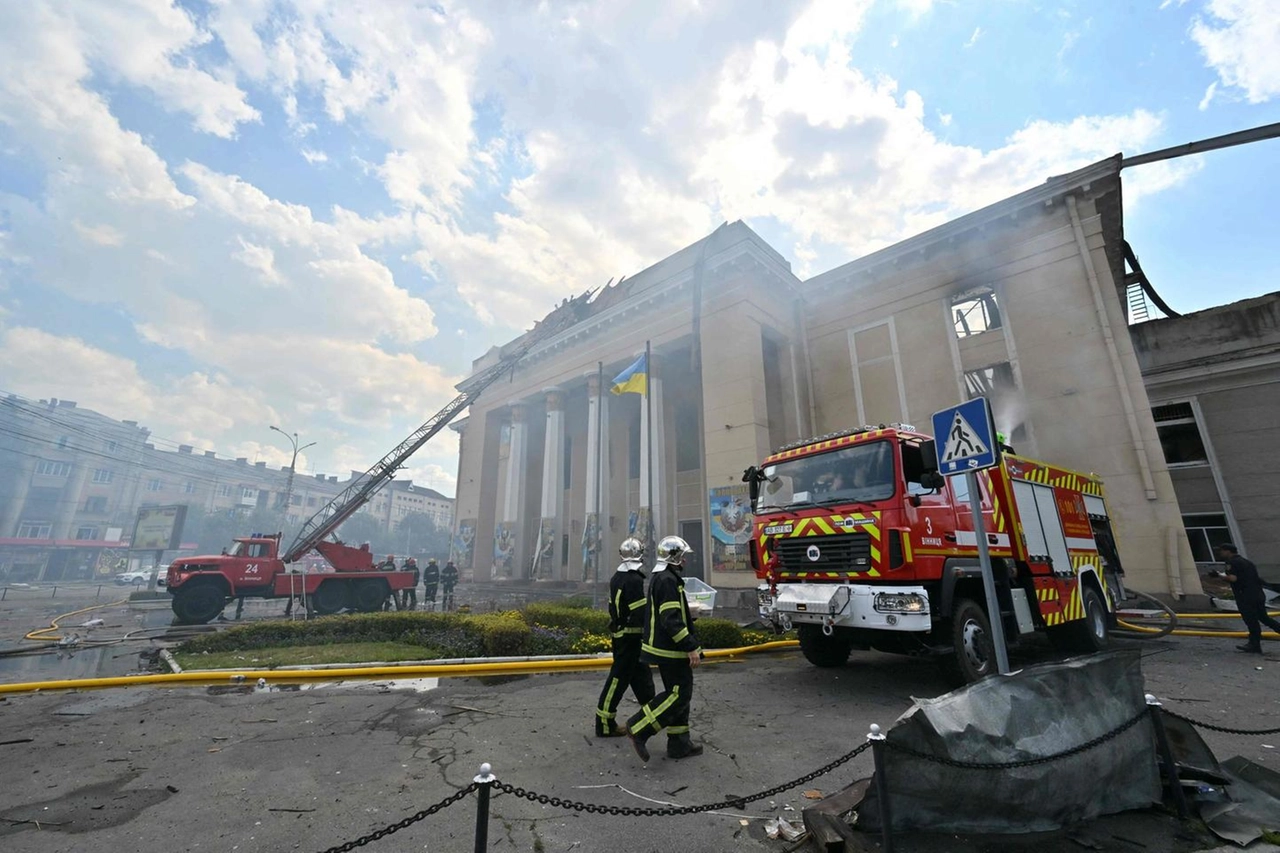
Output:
(298, 655)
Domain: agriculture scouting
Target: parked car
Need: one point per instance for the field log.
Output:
(140, 578)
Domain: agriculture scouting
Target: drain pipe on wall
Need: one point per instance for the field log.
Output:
(1113, 353)
(1171, 562)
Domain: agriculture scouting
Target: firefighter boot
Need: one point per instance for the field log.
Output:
(609, 729)
(638, 744)
(680, 746)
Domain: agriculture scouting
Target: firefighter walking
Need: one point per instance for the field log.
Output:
(626, 625)
(670, 642)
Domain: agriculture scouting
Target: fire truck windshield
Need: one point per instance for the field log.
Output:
(859, 473)
(235, 549)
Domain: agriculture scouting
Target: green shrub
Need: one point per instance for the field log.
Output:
(718, 634)
(581, 602)
(503, 636)
(570, 618)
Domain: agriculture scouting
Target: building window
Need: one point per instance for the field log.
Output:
(96, 504)
(35, 530)
(102, 475)
(997, 384)
(1179, 435)
(62, 441)
(53, 469)
(246, 492)
(975, 311)
(295, 500)
(311, 501)
(1205, 532)
(111, 446)
(154, 485)
(189, 488)
(87, 532)
(224, 491)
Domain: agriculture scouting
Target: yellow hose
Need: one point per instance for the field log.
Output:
(36, 636)
(1192, 632)
(197, 677)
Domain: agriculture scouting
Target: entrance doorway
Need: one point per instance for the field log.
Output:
(691, 532)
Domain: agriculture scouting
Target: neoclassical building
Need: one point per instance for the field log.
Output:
(1022, 301)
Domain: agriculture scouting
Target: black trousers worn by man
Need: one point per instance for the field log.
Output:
(669, 709)
(1253, 610)
(627, 673)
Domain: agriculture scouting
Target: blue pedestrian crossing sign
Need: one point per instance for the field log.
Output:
(966, 439)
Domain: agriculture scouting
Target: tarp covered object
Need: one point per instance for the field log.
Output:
(1035, 712)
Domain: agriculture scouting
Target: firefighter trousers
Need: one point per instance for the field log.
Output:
(627, 672)
(669, 709)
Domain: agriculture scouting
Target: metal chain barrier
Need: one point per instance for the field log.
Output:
(1025, 762)
(1224, 729)
(670, 811)
(409, 821)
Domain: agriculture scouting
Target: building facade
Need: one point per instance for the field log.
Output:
(1213, 379)
(1021, 302)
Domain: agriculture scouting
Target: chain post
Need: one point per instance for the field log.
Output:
(1166, 754)
(876, 739)
(485, 782)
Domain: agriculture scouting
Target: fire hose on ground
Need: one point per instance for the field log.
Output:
(1171, 627)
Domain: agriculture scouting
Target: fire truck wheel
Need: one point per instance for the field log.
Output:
(197, 603)
(329, 597)
(1091, 634)
(973, 655)
(370, 595)
(821, 650)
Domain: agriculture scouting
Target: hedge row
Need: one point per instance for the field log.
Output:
(540, 629)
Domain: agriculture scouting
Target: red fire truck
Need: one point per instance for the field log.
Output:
(255, 566)
(864, 544)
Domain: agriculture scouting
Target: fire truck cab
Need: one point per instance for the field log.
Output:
(862, 543)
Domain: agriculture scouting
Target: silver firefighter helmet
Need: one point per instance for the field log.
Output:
(631, 549)
(672, 550)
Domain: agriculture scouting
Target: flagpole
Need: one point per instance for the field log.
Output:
(599, 543)
(651, 535)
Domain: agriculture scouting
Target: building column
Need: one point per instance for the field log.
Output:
(597, 498)
(652, 526)
(506, 534)
(547, 556)
(18, 498)
(64, 526)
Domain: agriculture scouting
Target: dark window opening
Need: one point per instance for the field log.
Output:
(688, 437)
(1205, 532)
(975, 311)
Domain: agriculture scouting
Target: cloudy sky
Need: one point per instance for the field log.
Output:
(217, 215)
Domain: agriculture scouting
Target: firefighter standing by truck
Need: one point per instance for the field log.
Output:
(626, 624)
(670, 642)
(430, 584)
(448, 580)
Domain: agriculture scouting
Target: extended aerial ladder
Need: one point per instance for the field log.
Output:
(329, 517)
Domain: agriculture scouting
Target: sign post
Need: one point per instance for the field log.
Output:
(967, 442)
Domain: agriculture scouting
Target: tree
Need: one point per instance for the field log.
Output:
(419, 535)
(362, 527)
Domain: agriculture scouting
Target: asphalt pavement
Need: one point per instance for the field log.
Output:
(242, 769)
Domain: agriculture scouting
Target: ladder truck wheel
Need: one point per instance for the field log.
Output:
(821, 650)
(973, 654)
(370, 594)
(329, 597)
(198, 602)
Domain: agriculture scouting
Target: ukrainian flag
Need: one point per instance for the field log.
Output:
(633, 380)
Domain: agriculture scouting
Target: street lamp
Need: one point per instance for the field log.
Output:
(293, 440)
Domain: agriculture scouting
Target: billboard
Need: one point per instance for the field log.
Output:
(158, 528)
(731, 523)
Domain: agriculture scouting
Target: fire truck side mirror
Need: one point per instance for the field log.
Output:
(932, 480)
(929, 455)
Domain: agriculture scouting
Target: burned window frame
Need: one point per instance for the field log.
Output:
(985, 297)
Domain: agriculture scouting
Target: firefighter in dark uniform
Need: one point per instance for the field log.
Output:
(430, 583)
(670, 642)
(626, 624)
(409, 597)
(448, 580)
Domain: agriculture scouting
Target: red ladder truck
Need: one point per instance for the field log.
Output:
(864, 544)
(255, 567)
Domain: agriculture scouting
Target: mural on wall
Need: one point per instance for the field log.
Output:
(591, 547)
(730, 528)
(504, 550)
(463, 551)
(544, 557)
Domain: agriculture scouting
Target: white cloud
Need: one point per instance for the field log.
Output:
(314, 156)
(915, 8)
(259, 259)
(101, 234)
(973, 39)
(1239, 42)
(1208, 96)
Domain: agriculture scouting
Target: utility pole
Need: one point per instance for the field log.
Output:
(293, 440)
